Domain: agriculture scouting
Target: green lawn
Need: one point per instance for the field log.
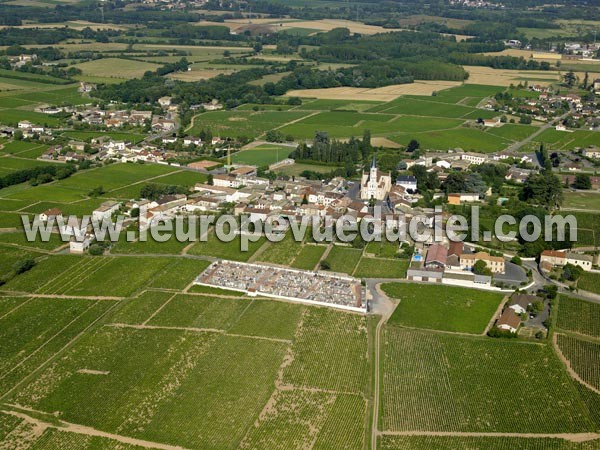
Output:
(263, 155)
(381, 268)
(444, 308)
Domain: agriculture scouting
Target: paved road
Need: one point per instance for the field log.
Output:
(517, 145)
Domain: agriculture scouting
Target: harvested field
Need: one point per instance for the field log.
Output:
(503, 77)
(197, 75)
(384, 94)
(317, 25)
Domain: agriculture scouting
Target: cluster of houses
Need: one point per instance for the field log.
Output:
(549, 105)
(518, 305)
(552, 258)
(105, 148)
(451, 263)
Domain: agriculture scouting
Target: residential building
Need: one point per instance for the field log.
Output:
(408, 182)
(51, 213)
(509, 321)
(553, 258)
(519, 302)
(459, 199)
(436, 256)
(105, 210)
(577, 259)
(495, 263)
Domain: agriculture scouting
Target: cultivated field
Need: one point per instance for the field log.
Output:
(579, 316)
(443, 308)
(383, 94)
(583, 357)
(478, 384)
(116, 68)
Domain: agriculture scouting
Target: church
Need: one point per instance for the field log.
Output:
(375, 184)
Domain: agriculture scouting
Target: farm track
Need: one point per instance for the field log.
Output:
(89, 431)
(571, 437)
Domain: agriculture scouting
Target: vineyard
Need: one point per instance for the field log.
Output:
(583, 357)
(331, 351)
(36, 328)
(477, 384)
(17, 433)
(90, 276)
(308, 419)
(579, 316)
(263, 373)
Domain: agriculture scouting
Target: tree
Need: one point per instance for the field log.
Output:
(571, 272)
(455, 182)
(413, 145)
(542, 189)
(474, 184)
(582, 181)
(586, 80)
(210, 180)
(569, 78)
(23, 265)
(324, 265)
(481, 268)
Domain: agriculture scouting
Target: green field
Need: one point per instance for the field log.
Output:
(242, 123)
(283, 252)
(561, 140)
(381, 268)
(115, 68)
(464, 385)
(589, 201)
(308, 257)
(262, 155)
(231, 250)
(444, 308)
(343, 259)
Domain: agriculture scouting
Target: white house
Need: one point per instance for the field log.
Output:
(105, 210)
(583, 261)
(51, 213)
(519, 303)
(473, 158)
(74, 228)
(408, 182)
(80, 246)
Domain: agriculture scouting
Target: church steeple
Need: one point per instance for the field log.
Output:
(374, 164)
